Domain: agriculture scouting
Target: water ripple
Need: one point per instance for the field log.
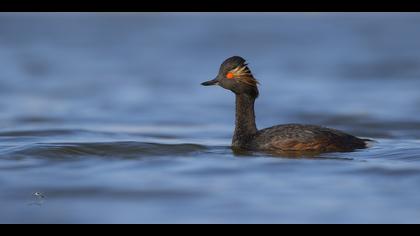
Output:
(113, 149)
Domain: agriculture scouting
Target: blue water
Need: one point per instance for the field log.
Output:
(103, 114)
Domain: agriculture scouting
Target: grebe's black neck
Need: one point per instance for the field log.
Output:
(245, 126)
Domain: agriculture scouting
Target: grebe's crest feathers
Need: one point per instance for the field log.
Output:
(244, 75)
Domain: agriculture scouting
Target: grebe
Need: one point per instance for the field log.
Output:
(235, 75)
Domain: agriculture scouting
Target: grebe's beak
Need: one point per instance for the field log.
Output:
(211, 82)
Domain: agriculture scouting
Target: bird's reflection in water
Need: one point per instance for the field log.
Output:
(312, 155)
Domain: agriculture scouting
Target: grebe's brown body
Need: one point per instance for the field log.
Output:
(235, 75)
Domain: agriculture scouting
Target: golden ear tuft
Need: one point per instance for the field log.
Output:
(244, 75)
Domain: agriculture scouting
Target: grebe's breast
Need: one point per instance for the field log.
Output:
(296, 137)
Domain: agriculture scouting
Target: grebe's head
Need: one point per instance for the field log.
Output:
(235, 75)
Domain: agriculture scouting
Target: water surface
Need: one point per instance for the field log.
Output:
(104, 115)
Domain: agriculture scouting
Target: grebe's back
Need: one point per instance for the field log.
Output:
(297, 137)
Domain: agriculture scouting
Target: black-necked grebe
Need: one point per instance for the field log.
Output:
(235, 75)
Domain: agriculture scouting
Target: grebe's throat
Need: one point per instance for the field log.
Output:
(245, 126)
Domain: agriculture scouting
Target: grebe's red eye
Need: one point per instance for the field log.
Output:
(229, 75)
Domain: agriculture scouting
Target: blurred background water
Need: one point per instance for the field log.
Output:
(103, 114)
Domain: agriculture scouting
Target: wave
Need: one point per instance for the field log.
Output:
(104, 149)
